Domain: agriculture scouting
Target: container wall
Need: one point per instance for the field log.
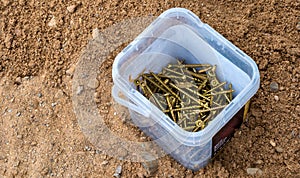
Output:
(179, 34)
(192, 157)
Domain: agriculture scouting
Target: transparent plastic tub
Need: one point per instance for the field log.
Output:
(179, 34)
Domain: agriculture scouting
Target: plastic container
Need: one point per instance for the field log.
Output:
(178, 33)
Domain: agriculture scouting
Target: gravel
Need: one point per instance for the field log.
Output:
(272, 143)
(87, 148)
(259, 161)
(298, 26)
(95, 33)
(52, 22)
(274, 87)
(152, 165)
(104, 163)
(254, 171)
(71, 8)
(18, 80)
(118, 171)
(39, 95)
(18, 114)
(70, 71)
(279, 149)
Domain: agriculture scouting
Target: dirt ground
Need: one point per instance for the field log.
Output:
(41, 42)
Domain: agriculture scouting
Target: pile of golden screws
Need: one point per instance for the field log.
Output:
(190, 94)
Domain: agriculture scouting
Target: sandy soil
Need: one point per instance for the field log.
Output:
(41, 42)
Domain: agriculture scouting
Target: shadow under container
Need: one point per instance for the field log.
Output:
(179, 34)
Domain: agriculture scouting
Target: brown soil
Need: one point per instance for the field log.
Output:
(39, 132)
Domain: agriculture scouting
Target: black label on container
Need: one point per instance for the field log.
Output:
(226, 133)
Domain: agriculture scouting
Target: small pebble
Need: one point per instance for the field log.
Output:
(95, 33)
(253, 171)
(276, 98)
(26, 78)
(16, 164)
(44, 171)
(116, 175)
(293, 134)
(104, 163)
(79, 89)
(87, 148)
(298, 26)
(71, 8)
(52, 22)
(93, 83)
(143, 138)
(39, 95)
(279, 149)
(259, 161)
(274, 87)
(18, 80)
(53, 104)
(119, 169)
(281, 88)
(272, 143)
(150, 163)
(18, 114)
(70, 71)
